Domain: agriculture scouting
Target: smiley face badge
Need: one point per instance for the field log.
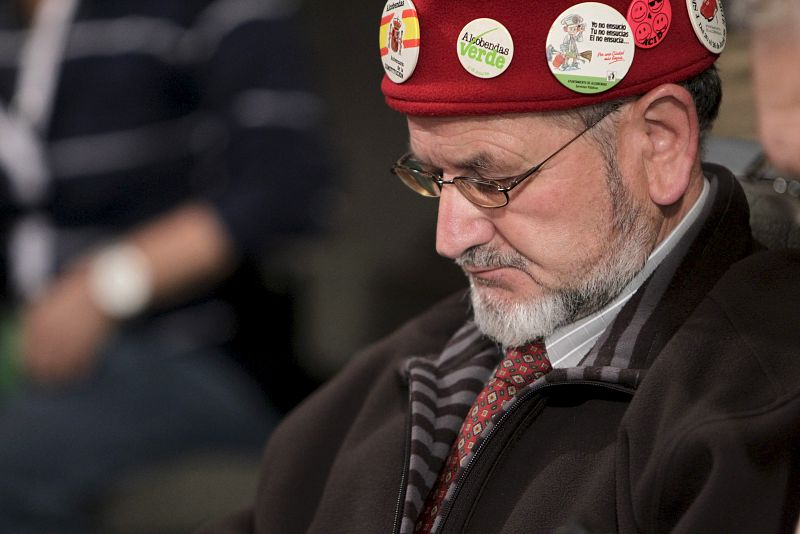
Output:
(649, 21)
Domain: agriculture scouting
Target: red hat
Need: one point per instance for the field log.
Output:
(542, 69)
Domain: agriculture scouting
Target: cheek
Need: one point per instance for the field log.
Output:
(560, 223)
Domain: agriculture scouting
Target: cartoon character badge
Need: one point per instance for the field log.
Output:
(708, 23)
(649, 21)
(567, 55)
(590, 47)
(399, 39)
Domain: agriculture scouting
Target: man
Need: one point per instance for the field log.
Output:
(626, 360)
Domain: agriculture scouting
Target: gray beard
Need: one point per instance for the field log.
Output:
(597, 282)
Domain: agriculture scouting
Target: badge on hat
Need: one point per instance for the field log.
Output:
(590, 47)
(399, 39)
(485, 48)
(649, 20)
(708, 23)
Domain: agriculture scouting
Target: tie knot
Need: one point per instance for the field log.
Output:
(535, 347)
(524, 364)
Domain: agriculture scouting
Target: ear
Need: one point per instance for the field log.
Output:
(668, 123)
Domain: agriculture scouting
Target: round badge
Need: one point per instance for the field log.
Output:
(399, 39)
(708, 22)
(590, 47)
(649, 21)
(485, 48)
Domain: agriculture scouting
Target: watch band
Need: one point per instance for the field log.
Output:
(120, 281)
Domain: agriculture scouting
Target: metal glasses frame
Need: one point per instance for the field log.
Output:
(499, 185)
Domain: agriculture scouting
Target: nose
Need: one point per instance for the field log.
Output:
(460, 224)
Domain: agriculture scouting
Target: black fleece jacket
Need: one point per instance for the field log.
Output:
(705, 439)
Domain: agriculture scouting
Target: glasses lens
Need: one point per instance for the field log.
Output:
(418, 181)
(483, 194)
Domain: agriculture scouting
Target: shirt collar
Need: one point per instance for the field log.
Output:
(570, 343)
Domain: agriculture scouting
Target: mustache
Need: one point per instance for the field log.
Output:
(483, 257)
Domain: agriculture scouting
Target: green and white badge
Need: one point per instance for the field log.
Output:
(485, 48)
(590, 47)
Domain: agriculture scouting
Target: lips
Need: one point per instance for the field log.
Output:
(477, 271)
(491, 276)
(490, 267)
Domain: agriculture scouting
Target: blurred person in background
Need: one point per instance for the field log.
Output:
(152, 154)
(772, 27)
(776, 80)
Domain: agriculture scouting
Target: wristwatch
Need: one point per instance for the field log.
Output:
(121, 281)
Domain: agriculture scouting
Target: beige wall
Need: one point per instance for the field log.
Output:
(736, 117)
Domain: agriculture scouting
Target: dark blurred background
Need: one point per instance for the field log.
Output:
(378, 267)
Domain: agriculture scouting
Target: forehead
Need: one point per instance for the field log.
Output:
(446, 140)
(492, 129)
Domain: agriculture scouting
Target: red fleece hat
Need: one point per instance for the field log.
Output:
(440, 86)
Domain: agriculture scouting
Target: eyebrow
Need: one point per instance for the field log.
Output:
(480, 161)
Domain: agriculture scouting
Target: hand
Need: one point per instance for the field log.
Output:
(62, 330)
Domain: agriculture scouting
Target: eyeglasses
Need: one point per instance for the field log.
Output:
(428, 182)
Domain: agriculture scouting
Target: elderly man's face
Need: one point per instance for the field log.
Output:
(569, 240)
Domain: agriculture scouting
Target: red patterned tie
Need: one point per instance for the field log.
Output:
(521, 366)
